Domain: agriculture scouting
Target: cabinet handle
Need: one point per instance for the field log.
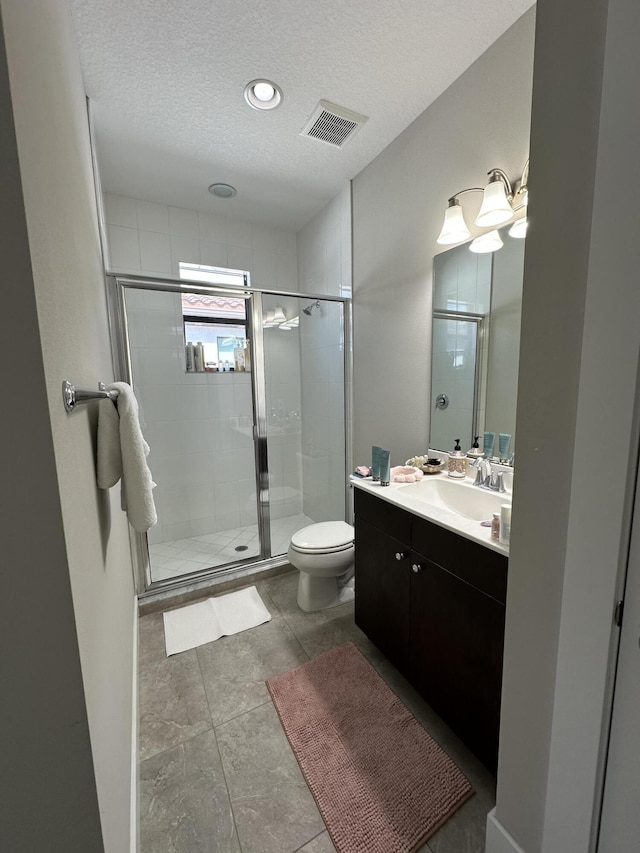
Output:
(400, 555)
(416, 567)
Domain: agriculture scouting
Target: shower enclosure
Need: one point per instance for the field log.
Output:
(242, 401)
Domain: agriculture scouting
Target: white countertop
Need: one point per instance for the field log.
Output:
(405, 496)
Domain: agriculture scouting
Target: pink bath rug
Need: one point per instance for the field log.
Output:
(381, 783)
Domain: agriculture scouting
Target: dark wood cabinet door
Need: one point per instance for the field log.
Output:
(457, 637)
(382, 591)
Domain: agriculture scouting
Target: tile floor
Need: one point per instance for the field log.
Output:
(217, 774)
(182, 556)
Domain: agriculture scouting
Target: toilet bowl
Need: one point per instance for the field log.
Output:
(323, 554)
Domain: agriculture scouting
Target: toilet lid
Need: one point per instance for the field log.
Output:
(324, 535)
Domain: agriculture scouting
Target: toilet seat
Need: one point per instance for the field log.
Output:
(325, 537)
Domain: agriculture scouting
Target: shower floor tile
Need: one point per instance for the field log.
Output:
(182, 556)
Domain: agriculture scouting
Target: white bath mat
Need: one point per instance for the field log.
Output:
(209, 620)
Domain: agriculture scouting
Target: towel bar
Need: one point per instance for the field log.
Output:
(73, 396)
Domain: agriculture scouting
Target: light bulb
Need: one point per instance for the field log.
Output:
(489, 242)
(264, 91)
(519, 228)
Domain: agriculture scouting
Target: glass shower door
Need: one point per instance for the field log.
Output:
(304, 379)
(197, 416)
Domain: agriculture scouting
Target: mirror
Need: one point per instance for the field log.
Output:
(477, 306)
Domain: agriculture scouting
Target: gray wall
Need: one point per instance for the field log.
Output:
(480, 122)
(66, 533)
(577, 389)
(44, 725)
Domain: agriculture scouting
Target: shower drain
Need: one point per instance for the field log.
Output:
(242, 548)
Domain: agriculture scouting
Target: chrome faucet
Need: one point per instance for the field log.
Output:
(479, 480)
(488, 478)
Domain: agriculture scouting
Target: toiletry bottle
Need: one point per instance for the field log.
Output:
(457, 463)
(200, 350)
(495, 526)
(505, 523)
(504, 442)
(475, 452)
(238, 357)
(385, 467)
(189, 355)
(489, 441)
(375, 462)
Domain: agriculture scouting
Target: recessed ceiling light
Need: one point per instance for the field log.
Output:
(262, 94)
(223, 190)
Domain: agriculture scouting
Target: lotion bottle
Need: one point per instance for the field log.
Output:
(457, 463)
(505, 524)
(475, 452)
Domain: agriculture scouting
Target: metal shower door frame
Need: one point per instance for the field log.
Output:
(116, 284)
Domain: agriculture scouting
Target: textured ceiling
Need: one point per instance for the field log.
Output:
(166, 82)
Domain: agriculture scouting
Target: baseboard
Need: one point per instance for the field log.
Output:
(133, 843)
(498, 839)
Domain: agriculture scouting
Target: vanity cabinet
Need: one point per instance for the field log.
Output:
(382, 608)
(437, 613)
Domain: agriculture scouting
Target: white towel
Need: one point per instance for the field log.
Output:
(122, 454)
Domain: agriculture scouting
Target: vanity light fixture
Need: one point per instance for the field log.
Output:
(262, 94)
(454, 228)
(500, 201)
(496, 197)
(519, 228)
(279, 316)
(293, 323)
(489, 242)
(275, 317)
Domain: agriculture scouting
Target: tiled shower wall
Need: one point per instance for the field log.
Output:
(152, 239)
(324, 249)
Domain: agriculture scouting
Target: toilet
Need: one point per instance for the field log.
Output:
(323, 553)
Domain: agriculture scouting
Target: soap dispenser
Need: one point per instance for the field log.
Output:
(475, 452)
(457, 463)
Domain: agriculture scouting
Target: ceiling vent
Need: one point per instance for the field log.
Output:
(333, 124)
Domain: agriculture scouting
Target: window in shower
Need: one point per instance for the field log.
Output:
(219, 324)
(218, 337)
(213, 275)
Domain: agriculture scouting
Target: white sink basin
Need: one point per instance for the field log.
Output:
(461, 498)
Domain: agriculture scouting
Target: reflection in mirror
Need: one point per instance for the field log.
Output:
(488, 286)
(455, 361)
